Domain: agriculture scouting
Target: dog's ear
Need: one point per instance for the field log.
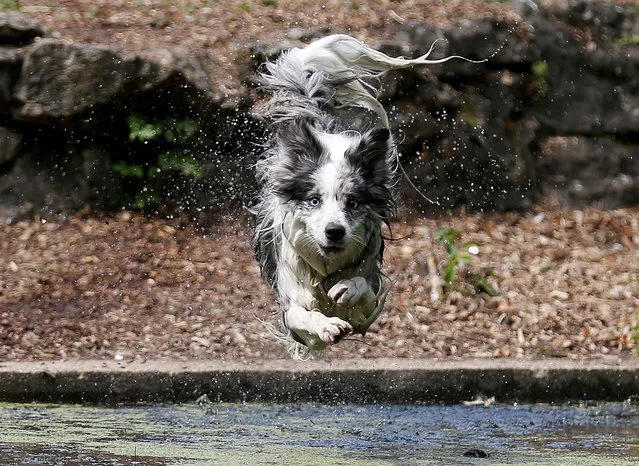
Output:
(370, 157)
(297, 141)
(299, 154)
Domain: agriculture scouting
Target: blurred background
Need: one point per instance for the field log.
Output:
(127, 139)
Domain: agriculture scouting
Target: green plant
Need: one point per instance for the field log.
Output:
(184, 164)
(483, 285)
(244, 5)
(540, 73)
(126, 169)
(270, 2)
(173, 131)
(180, 131)
(146, 198)
(456, 261)
(144, 186)
(141, 130)
(628, 40)
(448, 239)
(10, 5)
(94, 12)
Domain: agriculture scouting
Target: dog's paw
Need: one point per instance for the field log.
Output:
(350, 292)
(334, 330)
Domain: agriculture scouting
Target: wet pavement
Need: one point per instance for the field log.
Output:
(255, 433)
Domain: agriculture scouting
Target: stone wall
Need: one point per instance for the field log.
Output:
(554, 111)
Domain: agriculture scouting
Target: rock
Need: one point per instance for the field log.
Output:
(462, 168)
(525, 8)
(179, 62)
(440, 98)
(9, 65)
(411, 123)
(53, 177)
(581, 171)
(308, 34)
(570, 99)
(421, 37)
(10, 145)
(620, 65)
(494, 41)
(17, 29)
(604, 21)
(60, 81)
(476, 453)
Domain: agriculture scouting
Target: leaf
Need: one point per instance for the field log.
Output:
(146, 198)
(446, 236)
(185, 130)
(140, 130)
(464, 259)
(185, 164)
(449, 273)
(483, 285)
(125, 169)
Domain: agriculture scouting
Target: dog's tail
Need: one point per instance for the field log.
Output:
(333, 72)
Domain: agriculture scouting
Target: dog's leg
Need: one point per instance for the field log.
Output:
(351, 292)
(359, 301)
(314, 328)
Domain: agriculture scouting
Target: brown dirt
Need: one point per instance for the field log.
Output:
(127, 286)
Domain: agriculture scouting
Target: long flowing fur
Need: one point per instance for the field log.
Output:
(331, 72)
(319, 165)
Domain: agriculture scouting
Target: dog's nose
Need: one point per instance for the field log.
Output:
(334, 231)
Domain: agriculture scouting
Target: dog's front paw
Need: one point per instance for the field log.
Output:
(334, 330)
(349, 292)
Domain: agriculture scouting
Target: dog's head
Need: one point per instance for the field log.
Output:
(336, 188)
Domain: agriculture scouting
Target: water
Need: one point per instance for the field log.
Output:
(318, 434)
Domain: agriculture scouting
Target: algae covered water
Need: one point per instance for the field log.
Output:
(307, 434)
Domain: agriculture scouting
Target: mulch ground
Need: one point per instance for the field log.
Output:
(549, 283)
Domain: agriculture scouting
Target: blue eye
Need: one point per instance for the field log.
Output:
(314, 201)
(352, 204)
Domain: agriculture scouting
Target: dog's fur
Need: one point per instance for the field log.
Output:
(327, 188)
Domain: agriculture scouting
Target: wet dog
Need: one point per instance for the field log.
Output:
(327, 186)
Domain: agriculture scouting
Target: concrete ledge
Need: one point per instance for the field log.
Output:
(361, 381)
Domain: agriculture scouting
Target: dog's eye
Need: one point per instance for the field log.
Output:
(314, 201)
(352, 204)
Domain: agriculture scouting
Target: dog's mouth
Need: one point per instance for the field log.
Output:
(331, 249)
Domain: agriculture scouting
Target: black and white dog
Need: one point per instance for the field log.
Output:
(327, 188)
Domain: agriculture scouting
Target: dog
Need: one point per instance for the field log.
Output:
(328, 182)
